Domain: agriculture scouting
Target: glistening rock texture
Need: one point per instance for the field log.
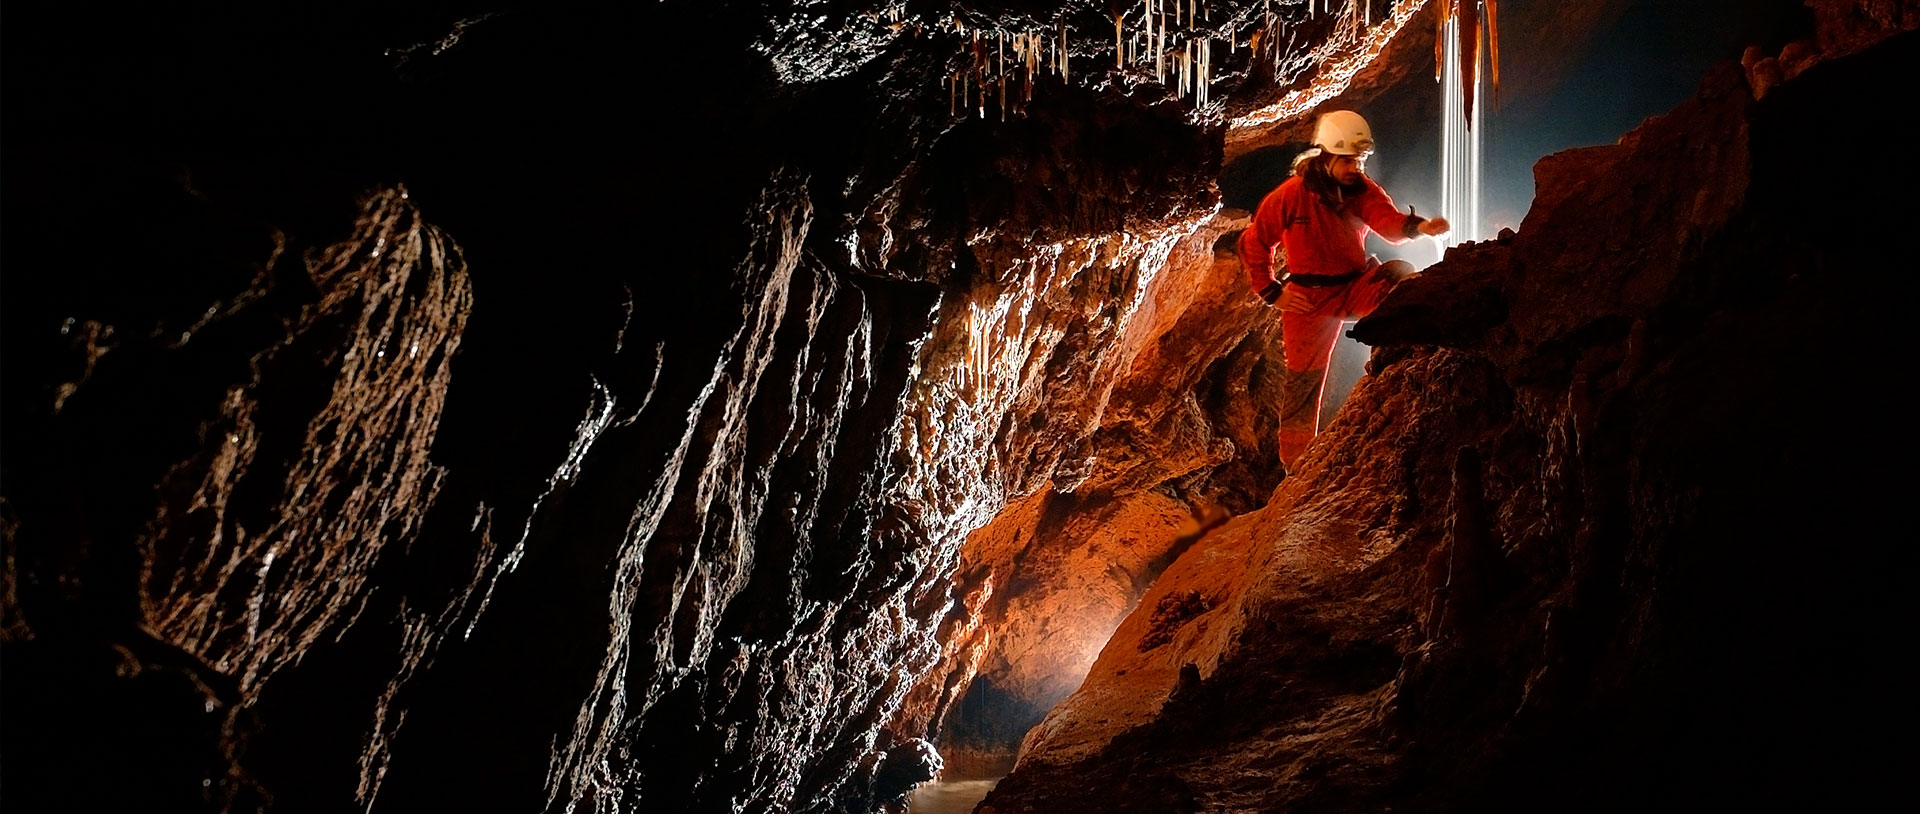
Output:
(1179, 431)
(511, 406)
(1605, 529)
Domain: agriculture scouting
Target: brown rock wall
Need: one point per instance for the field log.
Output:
(1559, 551)
(1168, 434)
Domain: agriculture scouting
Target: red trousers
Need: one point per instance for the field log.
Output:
(1310, 321)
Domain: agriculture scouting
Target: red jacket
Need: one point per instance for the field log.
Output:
(1319, 240)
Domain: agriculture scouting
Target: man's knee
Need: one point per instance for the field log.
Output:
(1396, 270)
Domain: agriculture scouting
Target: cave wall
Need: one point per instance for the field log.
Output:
(680, 404)
(1587, 537)
(763, 389)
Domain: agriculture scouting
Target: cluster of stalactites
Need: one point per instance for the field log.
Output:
(1470, 14)
(1168, 36)
(1163, 37)
(1174, 41)
(990, 74)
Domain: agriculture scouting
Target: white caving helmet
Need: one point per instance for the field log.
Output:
(1343, 132)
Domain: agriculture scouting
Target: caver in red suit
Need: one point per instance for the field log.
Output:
(1320, 217)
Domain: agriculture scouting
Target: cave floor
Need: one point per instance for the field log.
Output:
(950, 797)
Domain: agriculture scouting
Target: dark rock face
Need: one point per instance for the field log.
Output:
(1575, 544)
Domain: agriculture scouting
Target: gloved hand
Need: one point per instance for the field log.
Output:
(1272, 292)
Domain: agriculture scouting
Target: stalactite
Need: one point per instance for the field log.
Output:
(1206, 70)
(1493, 45)
(1147, 19)
(1160, 53)
(979, 75)
(1469, 51)
(1030, 48)
(1467, 36)
(1186, 70)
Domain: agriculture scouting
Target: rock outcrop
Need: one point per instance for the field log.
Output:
(1602, 530)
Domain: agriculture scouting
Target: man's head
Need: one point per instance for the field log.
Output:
(1345, 140)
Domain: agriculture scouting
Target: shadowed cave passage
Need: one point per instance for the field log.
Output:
(768, 429)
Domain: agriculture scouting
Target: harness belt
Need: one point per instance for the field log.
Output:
(1322, 280)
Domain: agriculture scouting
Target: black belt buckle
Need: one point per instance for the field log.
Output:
(1322, 280)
